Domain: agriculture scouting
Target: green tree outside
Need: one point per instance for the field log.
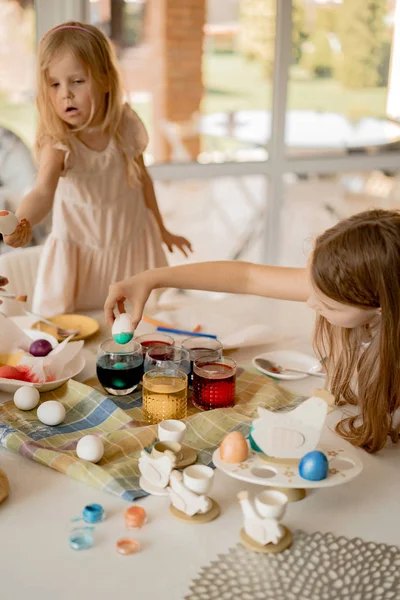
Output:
(258, 23)
(362, 37)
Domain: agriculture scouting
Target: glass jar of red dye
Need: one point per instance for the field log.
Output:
(149, 340)
(214, 382)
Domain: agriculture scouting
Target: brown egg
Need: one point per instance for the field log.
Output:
(233, 448)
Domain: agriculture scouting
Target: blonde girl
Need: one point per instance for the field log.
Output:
(353, 284)
(106, 222)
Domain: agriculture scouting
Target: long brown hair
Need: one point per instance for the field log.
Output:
(357, 262)
(94, 50)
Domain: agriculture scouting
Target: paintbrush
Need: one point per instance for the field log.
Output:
(11, 296)
(158, 323)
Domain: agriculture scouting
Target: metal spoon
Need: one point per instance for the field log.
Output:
(61, 332)
(273, 367)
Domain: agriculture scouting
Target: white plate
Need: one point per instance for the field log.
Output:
(288, 359)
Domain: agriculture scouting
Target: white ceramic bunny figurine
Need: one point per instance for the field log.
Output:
(184, 499)
(157, 470)
(261, 521)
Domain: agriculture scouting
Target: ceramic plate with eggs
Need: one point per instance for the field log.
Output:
(8, 363)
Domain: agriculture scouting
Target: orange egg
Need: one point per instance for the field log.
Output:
(233, 448)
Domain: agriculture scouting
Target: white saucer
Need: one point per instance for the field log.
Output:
(152, 489)
(288, 359)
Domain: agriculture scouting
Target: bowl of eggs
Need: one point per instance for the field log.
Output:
(10, 377)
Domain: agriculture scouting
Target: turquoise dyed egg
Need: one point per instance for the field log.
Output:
(314, 466)
(119, 366)
(122, 338)
(122, 331)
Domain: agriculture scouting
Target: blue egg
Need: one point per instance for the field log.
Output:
(314, 466)
(253, 445)
(119, 365)
(122, 338)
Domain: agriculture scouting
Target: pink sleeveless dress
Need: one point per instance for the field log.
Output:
(102, 230)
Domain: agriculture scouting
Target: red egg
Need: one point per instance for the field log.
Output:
(7, 372)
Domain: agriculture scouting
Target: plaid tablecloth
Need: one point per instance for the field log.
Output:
(119, 423)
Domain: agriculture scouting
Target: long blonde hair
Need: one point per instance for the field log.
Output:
(94, 50)
(357, 262)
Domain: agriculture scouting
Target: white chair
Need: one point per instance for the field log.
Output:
(20, 267)
(17, 177)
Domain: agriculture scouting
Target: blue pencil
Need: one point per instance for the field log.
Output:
(184, 332)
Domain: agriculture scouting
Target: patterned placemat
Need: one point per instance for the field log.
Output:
(120, 423)
(318, 566)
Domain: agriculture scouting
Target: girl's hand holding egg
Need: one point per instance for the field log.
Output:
(15, 234)
(8, 222)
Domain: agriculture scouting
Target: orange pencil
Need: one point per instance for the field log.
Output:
(156, 322)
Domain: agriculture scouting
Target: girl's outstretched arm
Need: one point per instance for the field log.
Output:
(38, 203)
(169, 239)
(224, 276)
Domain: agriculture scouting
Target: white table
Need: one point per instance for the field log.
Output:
(303, 129)
(36, 561)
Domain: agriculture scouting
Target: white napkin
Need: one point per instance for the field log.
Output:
(47, 368)
(12, 338)
(52, 366)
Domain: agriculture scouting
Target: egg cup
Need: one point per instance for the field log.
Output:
(171, 430)
(185, 456)
(188, 492)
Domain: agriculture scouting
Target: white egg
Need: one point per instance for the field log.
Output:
(90, 448)
(26, 397)
(122, 330)
(8, 222)
(51, 413)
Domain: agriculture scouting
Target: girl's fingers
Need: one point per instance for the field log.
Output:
(121, 305)
(109, 306)
(137, 314)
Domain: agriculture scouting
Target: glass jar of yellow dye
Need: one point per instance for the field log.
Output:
(164, 395)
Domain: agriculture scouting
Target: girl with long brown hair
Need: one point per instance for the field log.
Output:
(352, 282)
(89, 144)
